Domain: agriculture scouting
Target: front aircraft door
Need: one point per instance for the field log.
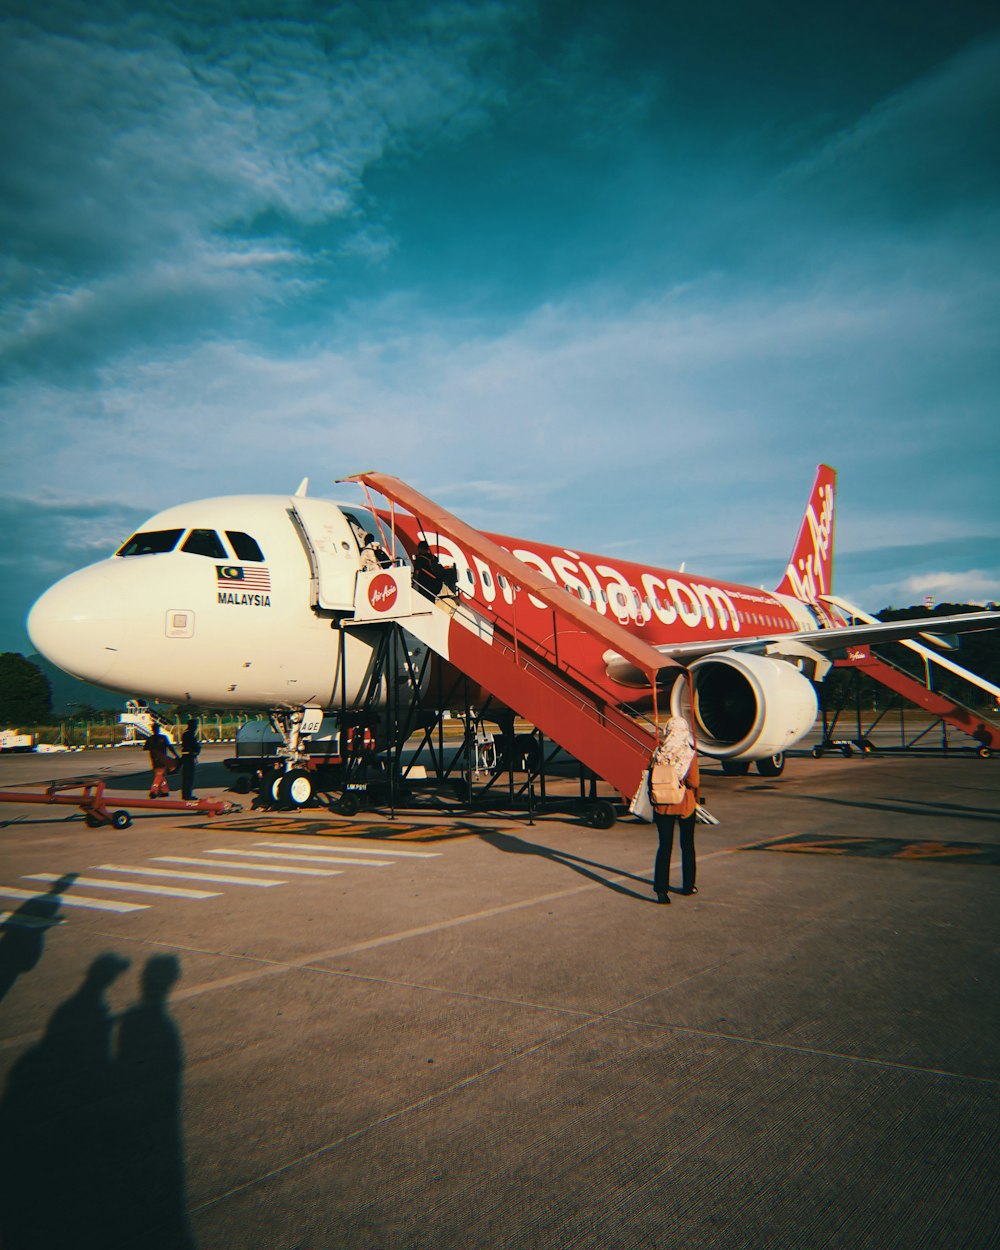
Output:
(332, 551)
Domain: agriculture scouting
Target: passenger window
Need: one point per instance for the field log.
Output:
(246, 548)
(154, 543)
(205, 543)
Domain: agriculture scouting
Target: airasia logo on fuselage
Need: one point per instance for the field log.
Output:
(382, 591)
(633, 596)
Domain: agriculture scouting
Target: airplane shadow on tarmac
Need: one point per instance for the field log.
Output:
(91, 1146)
(514, 845)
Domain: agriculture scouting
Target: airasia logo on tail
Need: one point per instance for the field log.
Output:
(382, 591)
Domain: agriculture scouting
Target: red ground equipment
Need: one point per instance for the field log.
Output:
(96, 804)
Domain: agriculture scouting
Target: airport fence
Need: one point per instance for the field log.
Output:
(76, 732)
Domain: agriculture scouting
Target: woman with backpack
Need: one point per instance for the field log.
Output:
(676, 750)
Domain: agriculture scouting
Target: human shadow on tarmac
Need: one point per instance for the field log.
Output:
(90, 1142)
(22, 936)
(150, 1069)
(511, 844)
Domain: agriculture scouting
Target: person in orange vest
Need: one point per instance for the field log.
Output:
(160, 754)
(677, 749)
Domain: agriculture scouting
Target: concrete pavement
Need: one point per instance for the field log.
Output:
(438, 1031)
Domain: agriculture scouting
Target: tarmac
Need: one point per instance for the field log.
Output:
(434, 1030)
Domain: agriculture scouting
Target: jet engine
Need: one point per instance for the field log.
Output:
(746, 706)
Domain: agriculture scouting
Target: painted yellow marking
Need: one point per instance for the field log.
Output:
(936, 850)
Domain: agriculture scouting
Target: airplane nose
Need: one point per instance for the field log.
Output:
(79, 624)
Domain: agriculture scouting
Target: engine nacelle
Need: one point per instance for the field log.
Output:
(746, 707)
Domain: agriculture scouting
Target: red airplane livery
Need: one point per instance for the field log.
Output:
(752, 657)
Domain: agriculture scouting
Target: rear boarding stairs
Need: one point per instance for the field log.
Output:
(946, 710)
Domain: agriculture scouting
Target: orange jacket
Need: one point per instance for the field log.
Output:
(687, 804)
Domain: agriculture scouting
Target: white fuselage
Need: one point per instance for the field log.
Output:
(201, 623)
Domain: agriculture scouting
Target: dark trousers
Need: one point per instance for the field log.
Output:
(661, 871)
(187, 776)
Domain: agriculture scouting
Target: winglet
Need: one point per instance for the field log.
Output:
(810, 571)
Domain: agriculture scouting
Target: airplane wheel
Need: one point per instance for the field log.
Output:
(773, 766)
(846, 752)
(735, 768)
(270, 787)
(121, 819)
(817, 753)
(349, 803)
(294, 788)
(985, 753)
(601, 815)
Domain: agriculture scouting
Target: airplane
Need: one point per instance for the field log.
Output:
(254, 602)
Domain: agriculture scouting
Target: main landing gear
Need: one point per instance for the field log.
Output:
(305, 768)
(293, 785)
(291, 789)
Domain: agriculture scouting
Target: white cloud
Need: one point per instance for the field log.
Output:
(970, 585)
(676, 407)
(141, 154)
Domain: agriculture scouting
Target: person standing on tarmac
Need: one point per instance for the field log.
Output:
(677, 749)
(190, 750)
(160, 752)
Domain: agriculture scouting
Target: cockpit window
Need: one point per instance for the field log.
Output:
(205, 543)
(246, 548)
(153, 543)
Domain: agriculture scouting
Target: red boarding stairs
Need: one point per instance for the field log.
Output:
(528, 663)
(921, 693)
(963, 718)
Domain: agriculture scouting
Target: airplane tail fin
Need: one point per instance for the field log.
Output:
(810, 571)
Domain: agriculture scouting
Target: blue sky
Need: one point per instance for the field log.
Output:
(617, 275)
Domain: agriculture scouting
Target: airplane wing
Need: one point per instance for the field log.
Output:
(822, 640)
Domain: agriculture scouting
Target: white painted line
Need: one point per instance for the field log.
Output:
(189, 876)
(227, 863)
(354, 850)
(177, 891)
(27, 921)
(77, 900)
(306, 859)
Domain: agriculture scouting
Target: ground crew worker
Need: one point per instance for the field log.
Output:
(190, 750)
(160, 752)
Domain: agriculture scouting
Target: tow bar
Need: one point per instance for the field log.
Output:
(95, 803)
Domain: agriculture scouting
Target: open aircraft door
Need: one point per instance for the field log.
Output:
(332, 551)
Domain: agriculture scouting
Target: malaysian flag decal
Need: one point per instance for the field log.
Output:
(237, 577)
